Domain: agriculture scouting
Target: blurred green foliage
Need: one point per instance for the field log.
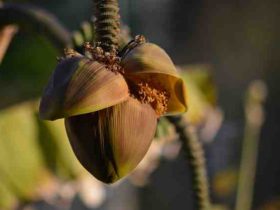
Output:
(21, 162)
(202, 92)
(32, 152)
(26, 68)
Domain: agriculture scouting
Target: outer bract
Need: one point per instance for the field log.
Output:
(78, 86)
(148, 62)
(110, 143)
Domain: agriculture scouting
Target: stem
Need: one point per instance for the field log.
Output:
(107, 24)
(195, 154)
(254, 112)
(33, 19)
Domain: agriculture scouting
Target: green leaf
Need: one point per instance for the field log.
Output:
(21, 163)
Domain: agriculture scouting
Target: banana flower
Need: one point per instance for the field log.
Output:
(111, 103)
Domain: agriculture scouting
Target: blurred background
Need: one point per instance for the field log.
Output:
(220, 46)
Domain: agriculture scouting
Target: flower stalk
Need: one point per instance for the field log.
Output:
(34, 19)
(195, 154)
(107, 24)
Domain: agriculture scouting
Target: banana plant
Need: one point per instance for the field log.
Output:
(111, 95)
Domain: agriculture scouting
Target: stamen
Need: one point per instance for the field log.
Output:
(156, 97)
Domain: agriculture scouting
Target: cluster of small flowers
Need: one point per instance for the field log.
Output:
(110, 59)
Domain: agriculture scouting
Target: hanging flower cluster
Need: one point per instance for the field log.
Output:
(111, 102)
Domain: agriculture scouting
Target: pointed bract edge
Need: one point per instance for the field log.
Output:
(79, 86)
(148, 58)
(175, 87)
(110, 143)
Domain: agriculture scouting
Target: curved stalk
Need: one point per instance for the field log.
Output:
(107, 24)
(35, 19)
(195, 154)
